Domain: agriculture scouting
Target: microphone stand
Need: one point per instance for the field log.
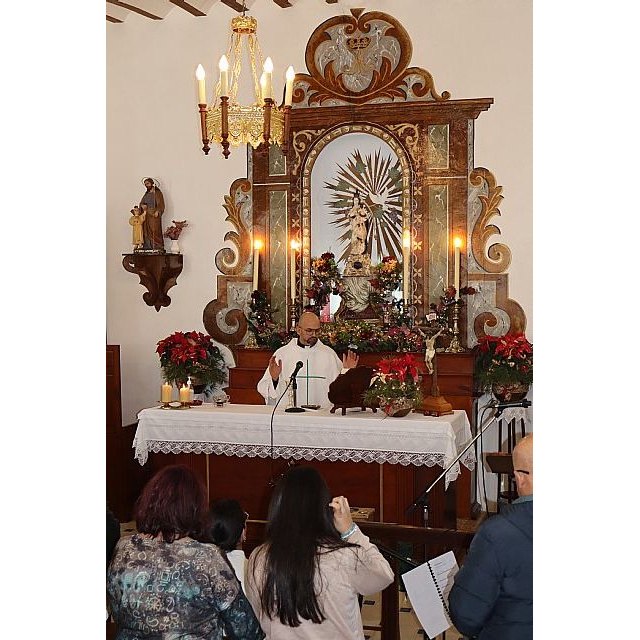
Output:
(294, 408)
(422, 499)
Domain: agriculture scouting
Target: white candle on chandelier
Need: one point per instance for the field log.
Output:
(223, 65)
(457, 243)
(268, 74)
(406, 257)
(202, 93)
(295, 246)
(257, 245)
(263, 86)
(288, 92)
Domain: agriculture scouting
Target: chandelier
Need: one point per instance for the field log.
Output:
(226, 121)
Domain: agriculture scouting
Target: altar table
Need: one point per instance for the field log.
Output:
(243, 431)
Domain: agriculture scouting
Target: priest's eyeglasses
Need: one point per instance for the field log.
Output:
(311, 331)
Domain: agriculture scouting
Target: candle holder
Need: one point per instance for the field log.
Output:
(251, 342)
(455, 346)
(185, 405)
(165, 404)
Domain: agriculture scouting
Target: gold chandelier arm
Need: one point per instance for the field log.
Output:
(255, 54)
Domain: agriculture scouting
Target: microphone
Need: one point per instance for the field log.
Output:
(299, 366)
(501, 406)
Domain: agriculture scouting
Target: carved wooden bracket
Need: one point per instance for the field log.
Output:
(158, 273)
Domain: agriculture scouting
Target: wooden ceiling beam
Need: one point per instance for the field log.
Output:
(111, 19)
(237, 6)
(284, 4)
(142, 12)
(194, 11)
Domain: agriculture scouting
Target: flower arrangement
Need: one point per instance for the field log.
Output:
(396, 378)
(190, 354)
(325, 279)
(370, 337)
(503, 360)
(260, 321)
(174, 231)
(387, 278)
(439, 313)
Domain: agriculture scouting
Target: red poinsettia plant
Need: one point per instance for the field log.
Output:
(190, 354)
(503, 359)
(395, 377)
(173, 232)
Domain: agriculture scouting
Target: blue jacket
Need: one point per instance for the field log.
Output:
(492, 594)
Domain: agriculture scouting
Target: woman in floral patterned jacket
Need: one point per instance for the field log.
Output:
(166, 581)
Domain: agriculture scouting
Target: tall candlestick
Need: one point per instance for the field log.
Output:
(165, 395)
(457, 243)
(288, 92)
(268, 74)
(184, 394)
(295, 245)
(257, 245)
(406, 256)
(223, 65)
(202, 93)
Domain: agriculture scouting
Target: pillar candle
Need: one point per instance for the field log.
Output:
(223, 65)
(165, 395)
(263, 86)
(184, 393)
(406, 257)
(257, 245)
(202, 93)
(456, 266)
(268, 74)
(288, 92)
(295, 245)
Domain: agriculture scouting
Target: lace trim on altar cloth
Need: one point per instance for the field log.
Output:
(303, 453)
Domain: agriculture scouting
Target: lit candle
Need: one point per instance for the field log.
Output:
(295, 245)
(223, 65)
(268, 73)
(257, 245)
(263, 86)
(406, 256)
(165, 395)
(457, 243)
(184, 394)
(202, 93)
(288, 92)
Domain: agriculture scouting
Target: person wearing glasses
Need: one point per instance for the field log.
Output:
(320, 366)
(492, 594)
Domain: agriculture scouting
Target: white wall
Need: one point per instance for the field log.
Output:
(473, 49)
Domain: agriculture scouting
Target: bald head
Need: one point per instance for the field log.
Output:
(308, 328)
(523, 465)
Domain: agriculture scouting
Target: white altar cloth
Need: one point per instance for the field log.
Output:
(358, 436)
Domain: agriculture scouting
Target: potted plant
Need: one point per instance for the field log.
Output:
(504, 365)
(325, 280)
(191, 354)
(173, 233)
(396, 386)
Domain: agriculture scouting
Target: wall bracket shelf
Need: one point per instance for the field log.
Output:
(157, 272)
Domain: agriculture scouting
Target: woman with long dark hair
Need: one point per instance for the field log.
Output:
(166, 581)
(305, 580)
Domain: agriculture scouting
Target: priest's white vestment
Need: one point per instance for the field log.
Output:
(321, 366)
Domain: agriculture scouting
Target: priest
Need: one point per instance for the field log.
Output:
(320, 366)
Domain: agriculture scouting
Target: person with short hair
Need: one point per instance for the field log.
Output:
(165, 581)
(321, 365)
(229, 531)
(492, 594)
(304, 581)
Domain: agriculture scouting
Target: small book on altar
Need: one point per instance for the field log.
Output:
(428, 589)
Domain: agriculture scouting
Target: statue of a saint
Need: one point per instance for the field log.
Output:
(153, 200)
(136, 221)
(359, 217)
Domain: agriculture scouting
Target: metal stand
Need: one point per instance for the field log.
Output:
(423, 499)
(294, 389)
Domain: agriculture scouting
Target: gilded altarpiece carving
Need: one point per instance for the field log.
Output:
(360, 81)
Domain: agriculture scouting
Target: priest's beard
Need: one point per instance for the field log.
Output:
(312, 340)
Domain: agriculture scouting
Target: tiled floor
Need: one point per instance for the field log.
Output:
(410, 627)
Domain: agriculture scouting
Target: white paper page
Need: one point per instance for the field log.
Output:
(423, 593)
